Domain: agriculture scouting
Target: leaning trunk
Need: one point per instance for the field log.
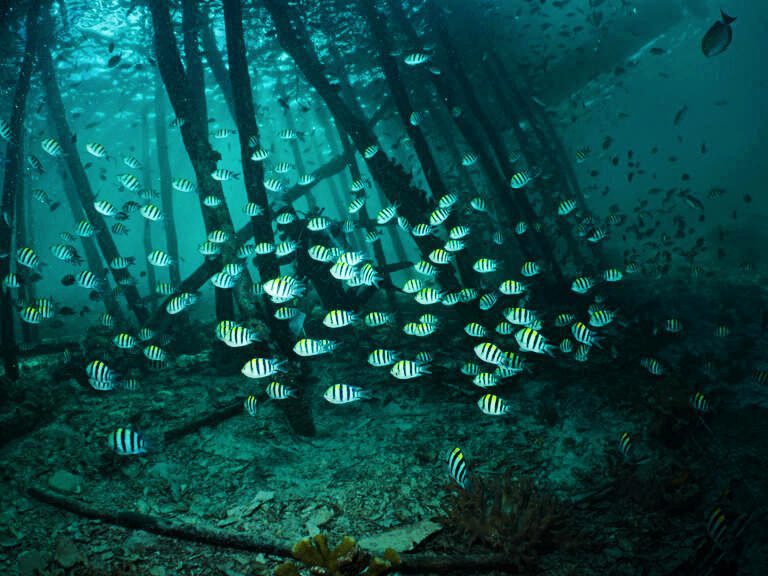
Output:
(80, 179)
(166, 192)
(393, 179)
(12, 183)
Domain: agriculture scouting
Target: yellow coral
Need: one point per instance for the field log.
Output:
(346, 558)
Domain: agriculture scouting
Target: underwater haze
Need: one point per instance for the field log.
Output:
(367, 287)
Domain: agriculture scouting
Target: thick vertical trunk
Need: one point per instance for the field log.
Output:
(186, 91)
(12, 183)
(80, 179)
(166, 192)
(394, 181)
(253, 172)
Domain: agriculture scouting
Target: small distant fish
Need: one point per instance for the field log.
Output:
(717, 526)
(279, 391)
(224, 175)
(97, 150)
(222, 133)
(679, 115)
(520, 179)
(699, 403)
(582, 154)
(52, 147)
(416, 118)
(34, 161)
(719, 36)
(626, 447)
(370, 151)
(416, 59)
(5, 131)
(251, 405)
(114, 60)
(259, 155)
(653, 366)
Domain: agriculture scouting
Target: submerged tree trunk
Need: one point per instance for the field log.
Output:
(299, 414)
(166, 192)
(25, 237)
(394, 181)
(186, 90)
(208, 268)
(216, 61)
(12, 184)
(90, 248)
(378, 27)
(492, 135)
(147, 185)
(298, 157)
(472, 135)
(80, 179)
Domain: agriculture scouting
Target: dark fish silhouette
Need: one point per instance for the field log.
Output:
(114, 61)
(680, 114)
(718, 37)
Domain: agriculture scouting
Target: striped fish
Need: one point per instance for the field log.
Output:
(699, 403)
(489, 352)
(382, 357)
(407, 369)
(155, 353)
(127, 442)
(27, 258)
(307, 347)
(626, 446)
(493, 405)
(180, 302)
(584, 335)
(159, 258)
(458, 468)
(370, 151)
(52, 147)
(182, 185)
(239, 336)
(278, 391)
(485, 379)
(262, 367)
(151, 212)
(531, 340)
(251, 405)
(344, 394)
(485, 266)
(129, 182)
(97, 150)
(377, 319)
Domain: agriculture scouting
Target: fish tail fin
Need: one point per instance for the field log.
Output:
(727, 19)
